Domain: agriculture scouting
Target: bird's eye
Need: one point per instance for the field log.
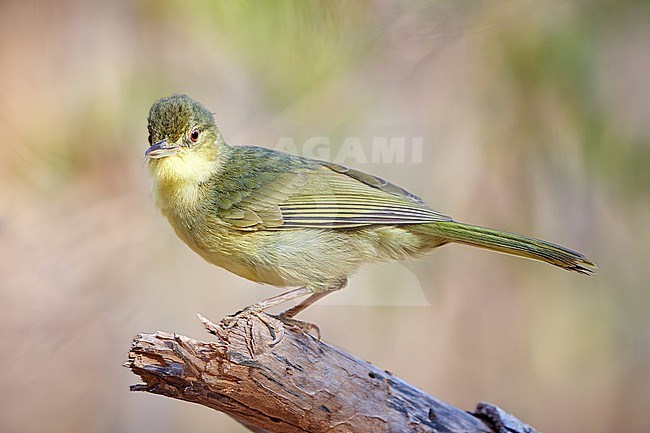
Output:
(150, 140)
(194, 135)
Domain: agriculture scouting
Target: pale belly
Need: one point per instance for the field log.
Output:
(280, 258)
(304, 257)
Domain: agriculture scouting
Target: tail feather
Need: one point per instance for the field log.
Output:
(510, 243)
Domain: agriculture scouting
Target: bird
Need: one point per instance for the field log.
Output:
(297, 223)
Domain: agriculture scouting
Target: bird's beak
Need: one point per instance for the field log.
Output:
(160, 150)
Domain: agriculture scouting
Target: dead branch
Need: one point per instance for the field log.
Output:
(299, 385)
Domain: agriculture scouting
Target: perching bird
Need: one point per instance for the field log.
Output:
(289, 221)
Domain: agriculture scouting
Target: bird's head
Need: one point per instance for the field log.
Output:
(184, 141)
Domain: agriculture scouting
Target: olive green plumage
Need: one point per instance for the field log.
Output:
(284, 220)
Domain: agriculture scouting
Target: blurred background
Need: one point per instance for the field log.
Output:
(528, 116)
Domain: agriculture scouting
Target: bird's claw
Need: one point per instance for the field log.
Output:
(274, 323)
(301, 326)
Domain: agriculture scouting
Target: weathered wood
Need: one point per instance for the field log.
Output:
(500, 420)
(299, 385)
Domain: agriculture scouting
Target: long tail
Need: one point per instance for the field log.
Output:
(509, 243)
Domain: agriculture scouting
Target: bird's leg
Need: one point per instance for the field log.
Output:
(298, 308)
(278, 299)
(275, 326)
(287, 316)
(275, 323)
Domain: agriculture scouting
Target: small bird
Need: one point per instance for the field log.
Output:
(288, 221)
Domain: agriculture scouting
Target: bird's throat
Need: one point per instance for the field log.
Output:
(177, 180)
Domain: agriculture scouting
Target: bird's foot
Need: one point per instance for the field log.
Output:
(301, 326)
(274, 325)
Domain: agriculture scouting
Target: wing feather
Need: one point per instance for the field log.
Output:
(316, 194)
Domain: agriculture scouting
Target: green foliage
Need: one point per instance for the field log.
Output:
(562, 61)
(289, 47)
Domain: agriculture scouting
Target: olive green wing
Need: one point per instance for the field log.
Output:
(255, 205)
(335, 196)
(269, 190)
